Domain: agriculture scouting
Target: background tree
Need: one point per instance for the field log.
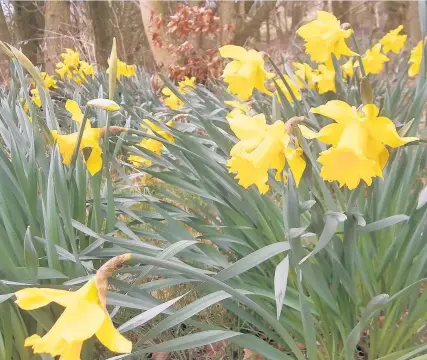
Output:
(5, 37)
(29, 23)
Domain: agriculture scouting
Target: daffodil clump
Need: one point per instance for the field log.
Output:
(153, 145)
(85, 315)
(49, 83)
(359, 141)
(72, 68)
(184, 86)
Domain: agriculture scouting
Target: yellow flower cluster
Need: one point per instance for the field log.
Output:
(49, 82)
(71, 67)
(184, 86)
(358, 142)
(90, 140)
(151, 144)
(262, 147)
(124, 70)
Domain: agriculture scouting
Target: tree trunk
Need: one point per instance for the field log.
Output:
(297, 14)
(100, 16)
(228, 18)
(396, 14)
(4, 36)
(29, 22)
(249, 29)
(341, 9)
(162, 57)
(57, 31)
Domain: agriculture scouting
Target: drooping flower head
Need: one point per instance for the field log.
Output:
(325, 36)
(294, 87)
(373, 60)
(415, 59)
(392, 41)
(246, 72)
(151, 144)
(358, 139)
(84, 316)
(49, 81)
(262, 147)
(184, 86)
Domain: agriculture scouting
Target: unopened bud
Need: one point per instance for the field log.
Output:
(104, 104)
(346, 26)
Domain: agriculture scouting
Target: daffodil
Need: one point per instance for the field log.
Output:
(104, 104)
(124, 69)
(173, 101)
(246, 72)
(35, 97)
(304, 72)
(262, 147)
(90, 140)
(348, 69)
(151, 144)
(63, 71)
(324, 77)
(325, 36)
(70, 58)
(373, 60)
(415, 59)
(84, 316)
(49, 81)
(358, 139)
(294, 87)
(392, 41)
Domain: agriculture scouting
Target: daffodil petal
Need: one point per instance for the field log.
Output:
(34, 298)
(94, 162)
(296, 163)
(233, 52)
(339, 111)
(111, 338)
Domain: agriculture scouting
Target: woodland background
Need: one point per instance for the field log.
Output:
(164, 35)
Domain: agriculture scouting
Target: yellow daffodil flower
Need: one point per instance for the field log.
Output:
(49, 81)
(246, 72)
(324, 36)
(85, 68)
(124, 69)
(324, 77)
(35, 97)
(84, 316)
(70, 58)
(358, 139)
(348, 69)
(392, 41)
(415, 59)
(304, 72)
(151, 144)
(90, 140)
(173, 101)
(373, 60)
(63, 71)
(261, 147)
(295, 88)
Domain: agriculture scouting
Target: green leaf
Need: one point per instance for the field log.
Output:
(383, 223)
(280, 283)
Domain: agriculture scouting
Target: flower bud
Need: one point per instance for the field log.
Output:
(105, 104)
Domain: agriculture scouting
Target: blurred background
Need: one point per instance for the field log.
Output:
(181, 38)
